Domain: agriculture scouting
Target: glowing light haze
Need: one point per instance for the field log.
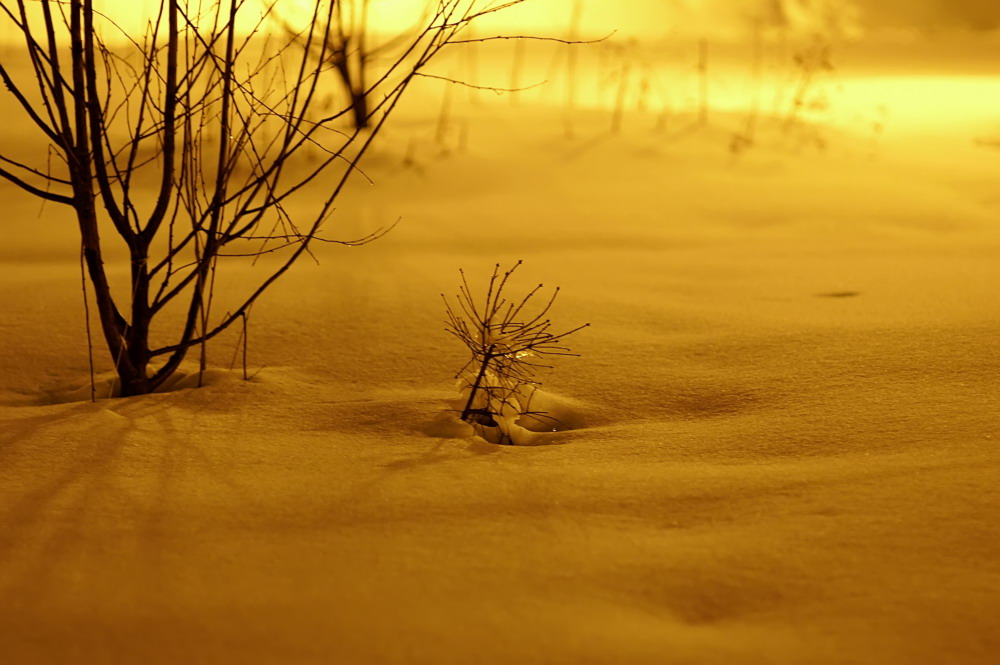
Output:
(660, 18)
(645, 17)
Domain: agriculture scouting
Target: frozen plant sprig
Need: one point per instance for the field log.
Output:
(507, 342)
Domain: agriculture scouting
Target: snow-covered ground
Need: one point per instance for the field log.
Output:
(790, 389)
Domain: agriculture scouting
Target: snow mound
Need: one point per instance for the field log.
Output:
(106, 385)
(543, 418)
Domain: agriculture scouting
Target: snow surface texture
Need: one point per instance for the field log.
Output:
(790, 396)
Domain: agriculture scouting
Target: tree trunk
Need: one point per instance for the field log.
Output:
(359, 104)
(134, 374)
(354, 89)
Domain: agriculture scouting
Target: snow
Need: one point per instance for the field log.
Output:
(785, 451)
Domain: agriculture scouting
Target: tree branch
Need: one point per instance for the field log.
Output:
(31, 189)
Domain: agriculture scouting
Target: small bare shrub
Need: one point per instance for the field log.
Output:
(509, 341)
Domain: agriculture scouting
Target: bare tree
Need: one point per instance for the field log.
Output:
(182, 142)
(351, 51)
